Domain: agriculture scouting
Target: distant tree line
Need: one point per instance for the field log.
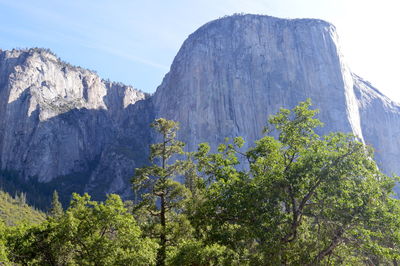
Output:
(298, 198)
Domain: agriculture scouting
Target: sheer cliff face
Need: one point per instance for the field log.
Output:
(231, 74)
(380, 123)
(59, 121)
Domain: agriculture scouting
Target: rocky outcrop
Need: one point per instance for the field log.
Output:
(57, 119)
(380, 123)
(231, 74)
(60, 122)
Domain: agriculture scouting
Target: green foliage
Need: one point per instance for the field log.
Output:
(196, 253)
(14, 211)
(56, 207)
(297, 198)
(3, 246)
(165, 197)
(88, 233)
(303, 199)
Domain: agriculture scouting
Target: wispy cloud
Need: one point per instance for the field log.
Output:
(78, 33)
(149, 33)
(125, 55)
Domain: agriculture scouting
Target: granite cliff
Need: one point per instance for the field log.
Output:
(232, 73)
(63, 125)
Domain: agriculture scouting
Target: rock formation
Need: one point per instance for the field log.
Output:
(232, 73)
(64, 123)
(60, 121)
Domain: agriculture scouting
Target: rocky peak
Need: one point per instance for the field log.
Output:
(65, 126)
(232, 73)
(56, 118)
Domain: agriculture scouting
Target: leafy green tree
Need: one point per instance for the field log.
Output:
(296, 198)
(196, 186)
(106, 234)
(56, 207)
(20, 244)
(197, 253)
(88, 233)
(303, 199)
(164, 197)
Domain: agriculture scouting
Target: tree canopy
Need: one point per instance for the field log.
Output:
(300, 198)
(294, 197)
(88, 233)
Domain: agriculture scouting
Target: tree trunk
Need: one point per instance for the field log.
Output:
(161, 256)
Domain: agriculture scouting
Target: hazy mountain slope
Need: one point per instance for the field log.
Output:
(15, 210)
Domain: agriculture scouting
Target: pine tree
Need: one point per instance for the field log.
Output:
(165, 195)
(56, 207)
(20, 198)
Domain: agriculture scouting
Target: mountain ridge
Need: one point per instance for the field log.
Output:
(226, 79)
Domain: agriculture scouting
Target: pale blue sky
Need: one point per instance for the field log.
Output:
(135, 41)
